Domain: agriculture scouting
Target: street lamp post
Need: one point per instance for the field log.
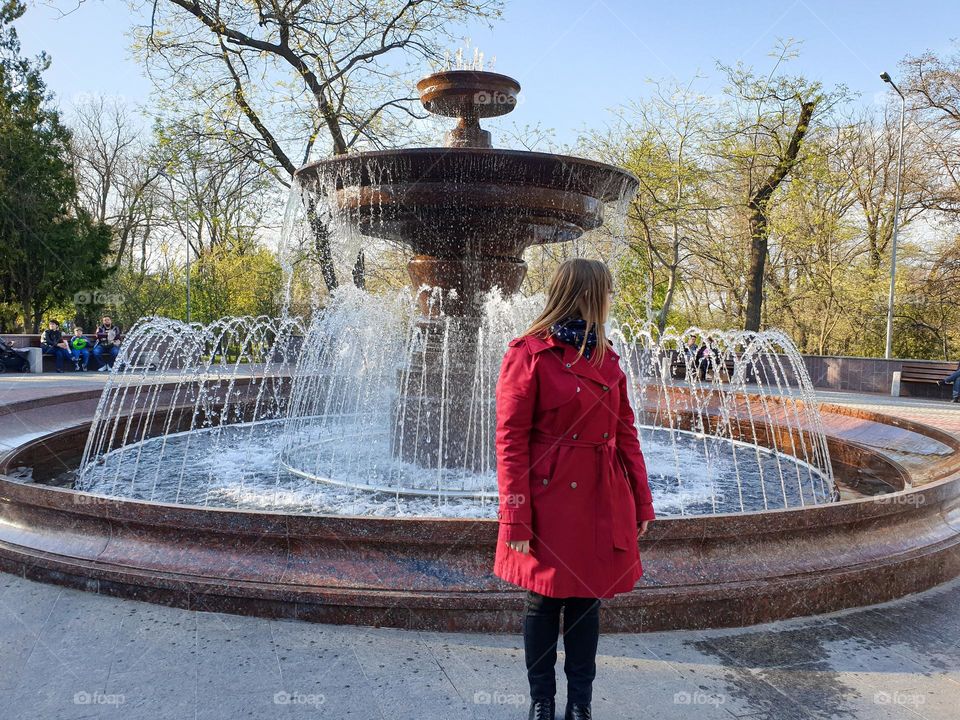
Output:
(188, 281)
(896, 221)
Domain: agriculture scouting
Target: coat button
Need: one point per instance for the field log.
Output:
(546, 480)
(575, 436)
(578, 389)
(568, 364)
(605, 387)
(606, 435)
(573, 485)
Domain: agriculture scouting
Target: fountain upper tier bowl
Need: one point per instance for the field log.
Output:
(468, 94)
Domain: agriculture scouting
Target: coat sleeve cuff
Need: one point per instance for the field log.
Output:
(512, 514)
(645, 512)
(515, 531)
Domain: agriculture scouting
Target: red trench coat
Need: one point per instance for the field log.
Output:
(570, 472)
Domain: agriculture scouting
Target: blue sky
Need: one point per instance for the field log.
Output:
(576, 59)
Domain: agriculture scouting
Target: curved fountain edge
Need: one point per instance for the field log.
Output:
(711, 571)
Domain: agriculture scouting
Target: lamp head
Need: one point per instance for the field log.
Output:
(885, 77)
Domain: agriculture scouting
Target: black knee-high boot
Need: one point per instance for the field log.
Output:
(541, 630)
(581, 635)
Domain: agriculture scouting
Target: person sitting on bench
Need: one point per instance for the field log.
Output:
(953, 379)
(80, 349)
(108, 343)
(53, 343)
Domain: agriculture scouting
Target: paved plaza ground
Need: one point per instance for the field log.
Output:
(71, 655)
(67, 654)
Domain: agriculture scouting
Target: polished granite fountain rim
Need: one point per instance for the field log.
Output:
(720, 570)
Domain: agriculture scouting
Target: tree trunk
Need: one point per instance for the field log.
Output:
(321, 245)
(25, 309)
(667, 300)
(758, 262)
(675, 259)
(359, 271)
(757, 206)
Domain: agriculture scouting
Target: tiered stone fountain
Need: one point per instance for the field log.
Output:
(466, 212)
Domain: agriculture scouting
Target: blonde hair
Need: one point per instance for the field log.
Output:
(581, 289)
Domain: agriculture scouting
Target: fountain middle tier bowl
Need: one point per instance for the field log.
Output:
(455, 202)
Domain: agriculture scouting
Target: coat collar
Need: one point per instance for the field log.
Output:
(605, 374)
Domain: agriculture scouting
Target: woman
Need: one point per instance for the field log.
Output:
(572, 481)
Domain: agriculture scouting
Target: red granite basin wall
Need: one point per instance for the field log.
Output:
(710, 571)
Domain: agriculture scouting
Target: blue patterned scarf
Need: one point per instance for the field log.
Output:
(571, 331)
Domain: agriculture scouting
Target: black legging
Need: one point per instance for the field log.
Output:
(581, 633)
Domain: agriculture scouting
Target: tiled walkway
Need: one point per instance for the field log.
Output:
(66, 654)
(16, 388)
(941, 414)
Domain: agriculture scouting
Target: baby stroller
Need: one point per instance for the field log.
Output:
(11, 360)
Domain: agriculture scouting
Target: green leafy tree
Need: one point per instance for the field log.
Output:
(49, 248)
(760, 145)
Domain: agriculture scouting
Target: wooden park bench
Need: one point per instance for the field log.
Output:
(922, 378)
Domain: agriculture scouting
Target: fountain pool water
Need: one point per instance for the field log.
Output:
(231, 472)
(302, 419)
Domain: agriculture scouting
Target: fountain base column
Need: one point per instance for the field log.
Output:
(443, 417)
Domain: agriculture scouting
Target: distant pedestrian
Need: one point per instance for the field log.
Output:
(53, 343)
(684, 362)
(80, 349)
(953, 379)
(707, 358)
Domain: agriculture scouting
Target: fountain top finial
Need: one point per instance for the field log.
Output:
(468, 95)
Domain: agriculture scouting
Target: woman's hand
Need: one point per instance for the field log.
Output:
(521, 546)
(642, 528)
